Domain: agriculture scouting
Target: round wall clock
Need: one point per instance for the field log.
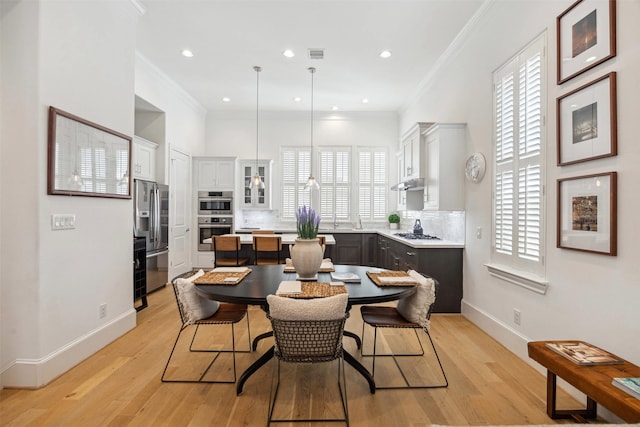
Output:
(475, 167)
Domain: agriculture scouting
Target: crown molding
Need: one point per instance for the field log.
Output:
(177, 89)
(139, 6)
(453, 47)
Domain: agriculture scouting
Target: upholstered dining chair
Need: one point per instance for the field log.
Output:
(412, 312)
(198, 311)
(226, 251)
(267, 250)
(306, 332)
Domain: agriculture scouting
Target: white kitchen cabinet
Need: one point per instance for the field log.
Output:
(144, 159)
(444, 166)
(215, 173)
(411, 157)
(252, 197)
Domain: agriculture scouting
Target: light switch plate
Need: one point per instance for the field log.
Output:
(63, 221)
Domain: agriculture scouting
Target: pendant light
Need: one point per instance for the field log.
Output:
(312, 183)
(256, 181)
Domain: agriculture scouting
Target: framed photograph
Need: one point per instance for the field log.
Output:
(587, 122)
(587, 213)
(586, 37)
(86, 159)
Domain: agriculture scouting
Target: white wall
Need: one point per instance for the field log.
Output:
(590, 297)
(234, 134)
(185, 117)
(66, 54)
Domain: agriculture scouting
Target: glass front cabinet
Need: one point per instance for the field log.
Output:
(253, 197)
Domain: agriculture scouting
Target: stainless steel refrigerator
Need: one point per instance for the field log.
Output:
(151, 221)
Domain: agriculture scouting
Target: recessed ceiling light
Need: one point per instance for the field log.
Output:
(226, 99)
(297, 99)
(289, 53)
(334, 108)
(385, 54)
(365, 100)
(187, 53)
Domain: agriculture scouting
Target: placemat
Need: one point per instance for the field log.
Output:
(375, 278)
(317, 290)
(326, 266)
(217, 278)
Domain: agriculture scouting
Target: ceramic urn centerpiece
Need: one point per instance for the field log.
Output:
(306, 253)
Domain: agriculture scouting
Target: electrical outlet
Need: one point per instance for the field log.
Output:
(103, 311)
(516, 316)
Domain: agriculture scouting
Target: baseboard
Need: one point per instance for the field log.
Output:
(36, 373)
(516, 342)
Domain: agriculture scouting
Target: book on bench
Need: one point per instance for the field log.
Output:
(584, 354)
(630, 385)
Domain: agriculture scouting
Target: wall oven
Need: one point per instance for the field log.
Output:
(211, 226)
(215, 202)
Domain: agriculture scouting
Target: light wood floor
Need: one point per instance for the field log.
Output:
(120, 385)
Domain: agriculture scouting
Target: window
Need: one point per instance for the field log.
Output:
(348, 186)
(335, 174)
(372, 183)
(295, 172)
(518, 208)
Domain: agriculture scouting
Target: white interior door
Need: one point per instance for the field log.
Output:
(179, 213)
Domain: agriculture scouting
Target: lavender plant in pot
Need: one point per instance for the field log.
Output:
(306, 253)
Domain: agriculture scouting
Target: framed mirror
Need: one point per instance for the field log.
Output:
(86, 159)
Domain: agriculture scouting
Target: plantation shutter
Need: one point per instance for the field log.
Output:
(335, 173)
(372, 183)
(518, 180)
(295, 172)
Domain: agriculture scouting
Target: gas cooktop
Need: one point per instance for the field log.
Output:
(413, 236)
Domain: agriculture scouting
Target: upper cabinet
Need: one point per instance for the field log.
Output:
(144, 159)
(444, 163)
(253, 197)
(411, 158)
(215, 173)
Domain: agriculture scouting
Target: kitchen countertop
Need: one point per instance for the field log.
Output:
(418, 244)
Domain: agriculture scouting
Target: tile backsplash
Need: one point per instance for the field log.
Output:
(448, 225)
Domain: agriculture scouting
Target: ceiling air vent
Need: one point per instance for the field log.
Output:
(316, 53)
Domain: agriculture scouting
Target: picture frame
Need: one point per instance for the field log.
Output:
(587, 213)
(86, 159)
(587, 122)
(586, 37)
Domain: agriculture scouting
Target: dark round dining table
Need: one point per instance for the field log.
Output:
(265, 279)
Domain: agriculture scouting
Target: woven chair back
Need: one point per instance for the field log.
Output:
(308, 341)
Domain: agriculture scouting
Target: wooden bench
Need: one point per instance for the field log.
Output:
(594, 381)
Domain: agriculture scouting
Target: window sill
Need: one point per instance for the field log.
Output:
(526, 280)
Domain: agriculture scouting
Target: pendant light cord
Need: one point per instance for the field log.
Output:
(257, 69)
(312, 70)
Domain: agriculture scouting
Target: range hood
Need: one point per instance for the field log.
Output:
(409, 185)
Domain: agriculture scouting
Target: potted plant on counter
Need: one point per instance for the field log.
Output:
(394, 221)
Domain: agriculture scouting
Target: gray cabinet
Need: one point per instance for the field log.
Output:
(354, 249)
(443, 264)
